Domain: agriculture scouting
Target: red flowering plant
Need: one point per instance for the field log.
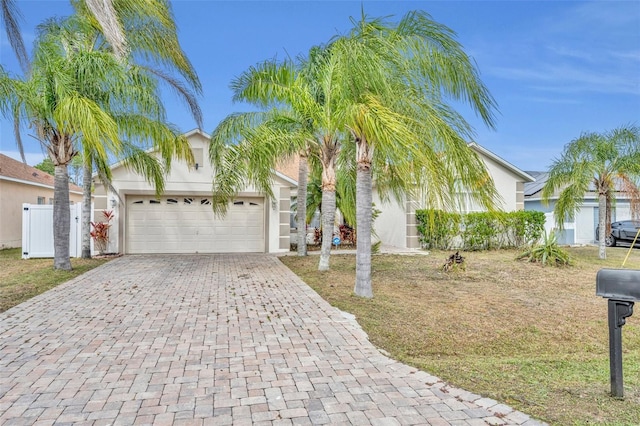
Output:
(100, 232)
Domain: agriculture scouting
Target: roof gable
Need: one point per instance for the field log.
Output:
(502, 162)
(197, 136)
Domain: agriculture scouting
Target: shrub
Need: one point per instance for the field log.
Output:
(547, 252)
(437, 228)
(527, 227)
(478, 231)
(100, 232)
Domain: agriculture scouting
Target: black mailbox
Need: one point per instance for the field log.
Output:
(618, 284)
(622, 288)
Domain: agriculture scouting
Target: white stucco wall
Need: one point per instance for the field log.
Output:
(184, 180)
(391, 225)
(505, 182)
(395, 223)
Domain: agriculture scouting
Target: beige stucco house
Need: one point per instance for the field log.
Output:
(396, 224)
(182, 219)
(19, 184)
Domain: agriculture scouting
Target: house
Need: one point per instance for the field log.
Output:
(396, 222)
(182, 219)
(580, 230)
(19, 184)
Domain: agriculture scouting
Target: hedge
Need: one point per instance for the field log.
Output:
(479, 231)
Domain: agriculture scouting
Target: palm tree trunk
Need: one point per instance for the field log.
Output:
(602, 225)
(86, 208)
(329, 152)
(364, 201)
(328, 219)
(61, 219)
(303, 174)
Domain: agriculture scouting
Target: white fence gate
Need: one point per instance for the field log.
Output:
(37, 230)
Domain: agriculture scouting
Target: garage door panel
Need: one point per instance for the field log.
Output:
(186, 224)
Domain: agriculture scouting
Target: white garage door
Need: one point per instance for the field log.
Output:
(186, 224)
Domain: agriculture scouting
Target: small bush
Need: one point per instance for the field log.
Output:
(100, 232)
(481, 230)
(547, 252)
(437, 228)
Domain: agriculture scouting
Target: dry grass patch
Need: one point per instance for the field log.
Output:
(22, 279)
(533, 337)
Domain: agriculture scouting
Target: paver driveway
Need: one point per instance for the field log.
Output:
(209, 339)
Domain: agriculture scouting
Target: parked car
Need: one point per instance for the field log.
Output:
(624, 230)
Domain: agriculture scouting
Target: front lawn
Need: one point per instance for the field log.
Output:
(22, 279)
(532, 337)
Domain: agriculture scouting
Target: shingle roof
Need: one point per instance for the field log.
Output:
(532, 188)
(290, 167)
(14, 169)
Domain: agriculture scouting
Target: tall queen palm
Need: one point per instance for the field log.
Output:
(81, 99)
(395, 82)
(153, 50)
(300, 117)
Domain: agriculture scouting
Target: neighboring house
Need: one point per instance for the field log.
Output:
(182, 219)
(19, 184)
(582, 229)
(396, 223)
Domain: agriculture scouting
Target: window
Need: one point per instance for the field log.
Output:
(238, 203)
(188, 200)
(138, 202)
(51, 201)
(172, 201)
(41, 200)
(154, 201)
(197, 157)
(205, 202)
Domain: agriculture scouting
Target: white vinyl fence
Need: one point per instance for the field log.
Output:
(37, 230)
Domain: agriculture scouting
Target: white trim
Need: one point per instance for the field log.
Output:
(197, 131)
(501, 161)
(285, 178)
(39, 185)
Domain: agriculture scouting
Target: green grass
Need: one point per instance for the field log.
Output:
(22, 279)
(535, 338)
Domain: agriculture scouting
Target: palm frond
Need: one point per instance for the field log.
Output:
(10, 18)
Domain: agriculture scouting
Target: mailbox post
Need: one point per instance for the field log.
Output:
(622, 288)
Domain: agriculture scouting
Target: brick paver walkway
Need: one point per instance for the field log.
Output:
(209, 339)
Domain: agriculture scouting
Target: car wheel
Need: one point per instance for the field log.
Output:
(610, 241)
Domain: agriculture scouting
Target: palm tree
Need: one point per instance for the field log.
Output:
(148, 31)
(395, 81)
(108, 16)
(605, 162)
(65, 97)
(302, 118)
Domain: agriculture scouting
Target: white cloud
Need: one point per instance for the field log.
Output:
(570, 78)
(590, 47)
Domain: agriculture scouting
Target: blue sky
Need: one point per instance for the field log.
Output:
(555, 68)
